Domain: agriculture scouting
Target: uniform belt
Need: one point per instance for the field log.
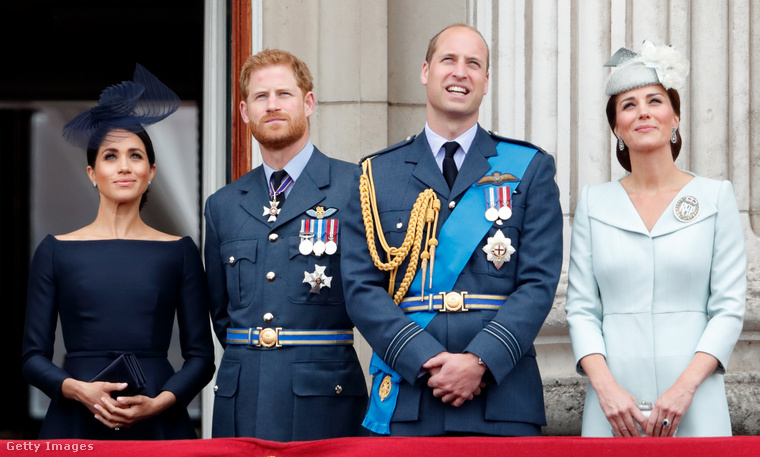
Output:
(277, 337)
(452, 302)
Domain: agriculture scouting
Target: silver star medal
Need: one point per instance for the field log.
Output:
(272, 211)
(317, 280)
(498, 249)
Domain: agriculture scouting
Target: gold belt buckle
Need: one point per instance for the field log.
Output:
(453, 302)
(269, 337)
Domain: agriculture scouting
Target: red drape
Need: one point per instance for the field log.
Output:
(412, 447)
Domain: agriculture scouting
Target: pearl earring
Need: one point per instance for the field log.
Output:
(94, 184)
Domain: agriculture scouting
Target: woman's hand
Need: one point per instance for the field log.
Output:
(621, 411)
(127, 411)
(89, 393)
(618, 405)
(674, 402)
(671, 406)
(122, 412)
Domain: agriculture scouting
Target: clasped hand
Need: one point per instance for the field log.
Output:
(120, 412)
(671, 405)
(620, 408)
(455, 378)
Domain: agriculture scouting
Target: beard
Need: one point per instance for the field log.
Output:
(280, 136)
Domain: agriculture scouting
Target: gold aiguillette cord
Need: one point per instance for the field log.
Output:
(423, 218)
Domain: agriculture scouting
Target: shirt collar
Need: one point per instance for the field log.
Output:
(295, 167)
(436, 141)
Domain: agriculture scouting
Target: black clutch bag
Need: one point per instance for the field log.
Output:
(127, 369)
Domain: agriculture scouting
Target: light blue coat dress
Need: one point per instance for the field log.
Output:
(647, 301)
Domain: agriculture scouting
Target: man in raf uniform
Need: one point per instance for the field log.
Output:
(452, 268)
(273, 244)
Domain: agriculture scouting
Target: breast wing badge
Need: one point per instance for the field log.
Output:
(497, 178)
(320, 212)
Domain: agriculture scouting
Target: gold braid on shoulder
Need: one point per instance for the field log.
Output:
(423, 221)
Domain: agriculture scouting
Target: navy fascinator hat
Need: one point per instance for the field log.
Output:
(131, 106)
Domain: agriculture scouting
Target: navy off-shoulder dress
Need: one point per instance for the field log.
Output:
(116, 296)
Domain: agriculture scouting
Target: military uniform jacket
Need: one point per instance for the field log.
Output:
(291, 392)
(512, 402)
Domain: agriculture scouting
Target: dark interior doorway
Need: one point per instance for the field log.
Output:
(70, 50)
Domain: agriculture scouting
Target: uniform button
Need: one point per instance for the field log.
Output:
(452, 204)
(270, 276)
(268, 317)
(232, 259)
(399, 225)
(338, 389)
(216, 388)
(273, 237)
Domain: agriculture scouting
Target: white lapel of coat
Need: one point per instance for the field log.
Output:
(705, 194)
(609, 203)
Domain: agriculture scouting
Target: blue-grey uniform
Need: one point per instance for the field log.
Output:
(289, 370)
(512, 402)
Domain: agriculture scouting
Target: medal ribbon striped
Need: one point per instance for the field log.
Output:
(307, 227)
(319, 230)
(332, 230)
(490, 198)
(505, 199)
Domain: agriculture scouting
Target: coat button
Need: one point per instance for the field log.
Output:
(270, 276)
(452, 204)
(399, 225)
(268, 317)
(216, 388)
(273, 237)
(338, 389)
(232, 259)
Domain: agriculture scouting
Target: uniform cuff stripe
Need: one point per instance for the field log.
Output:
(506, 338)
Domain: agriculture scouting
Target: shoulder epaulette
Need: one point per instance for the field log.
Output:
(514, 141)
(408, 140)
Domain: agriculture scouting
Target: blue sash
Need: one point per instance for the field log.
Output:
(459, 236)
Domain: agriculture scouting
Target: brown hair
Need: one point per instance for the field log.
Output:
(271, 57)
(624, 156)
(434, 43)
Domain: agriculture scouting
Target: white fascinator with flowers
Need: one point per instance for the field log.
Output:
(653, 65)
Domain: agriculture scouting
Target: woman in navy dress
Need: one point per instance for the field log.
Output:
(117, 285)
